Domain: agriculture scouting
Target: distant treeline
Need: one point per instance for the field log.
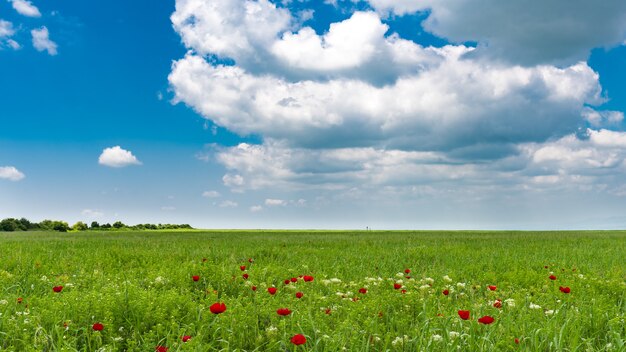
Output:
(11, 224)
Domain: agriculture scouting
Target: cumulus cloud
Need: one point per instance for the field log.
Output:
(211, 194)
(360, 106)
(11, 173)
(275, 202)
(42, 42)
(25, 8)
(561, 32)
(117, 157)
(228, 204)
(6, 31)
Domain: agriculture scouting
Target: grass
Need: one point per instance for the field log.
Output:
(139, 286)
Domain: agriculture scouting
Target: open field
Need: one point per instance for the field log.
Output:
(139, 286)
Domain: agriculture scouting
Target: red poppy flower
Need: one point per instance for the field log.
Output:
(250, 260)
(299, 294)
(271, 290)
(407, 270)
(486, 320)
(517, 341)
(407, 277)
(253, 288)
(242, 268)
(57, 288)
(445, 292)
(283, 311)
(298, 339)
(204, 260)
(363, 290)
(161, 349)
(403, 291)
(497, 303)
(245, 276)
(355, 299)
(195, 278)
(552, 277)
(307, 278)
(564, 289)
(327, 311)
(186, 338)
(545, 267)
(397, 286)
(287, 282)
(217, 308)
(20, 300)
(294, 279)
(464, 314)
(97, 327)
(492, 287)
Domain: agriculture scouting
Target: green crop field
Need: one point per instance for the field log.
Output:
(359, 291)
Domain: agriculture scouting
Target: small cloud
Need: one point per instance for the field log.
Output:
(210, 194)
(228, 204)
(256, 208)
(25, 8)
(159, 95)
(92, 214)
(167, 208)
(275, 202)
(13, 44)
(233, 180)
(11, 173)
(42, 42)
(117, 157)
(6, 29)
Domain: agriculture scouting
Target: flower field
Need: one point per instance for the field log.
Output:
(313, 291)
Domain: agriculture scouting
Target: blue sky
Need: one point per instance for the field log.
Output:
(310, 114)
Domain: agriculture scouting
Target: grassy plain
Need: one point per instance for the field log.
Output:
(139, 286)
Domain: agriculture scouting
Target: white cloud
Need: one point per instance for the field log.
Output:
(275, 202)
(92, 214)
(117, 157)
(347, 44)
(553, 31)
(210, 194)
(358, 111)
(168, 208)
(228, 204)
(13, 44)
(6, 29)
(256, 208)
(41, 41)
(10, 173)
(233, 180)
(456, 103)
(25, 8)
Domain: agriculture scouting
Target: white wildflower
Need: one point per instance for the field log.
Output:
(534, 306)
(424, 287)
(335, 280)
(3, 302)
(436, 338)
(429, 280)
(447, 278)
(400, 275)
(510, 302)
(549, 312)
(460, 285)
(453, 335)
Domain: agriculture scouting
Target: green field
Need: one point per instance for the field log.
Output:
(139, 286)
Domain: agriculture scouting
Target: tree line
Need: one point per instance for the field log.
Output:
(23, 224)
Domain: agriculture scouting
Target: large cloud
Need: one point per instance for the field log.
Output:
(42, 41)
(520, 31)
(360, 105)
(25, 8)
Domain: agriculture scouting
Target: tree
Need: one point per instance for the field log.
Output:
(94, 225)
(118, 224)
(9, 224)
(80, 226)
(60, 226)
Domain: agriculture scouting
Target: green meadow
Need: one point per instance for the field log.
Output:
(371, 291)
